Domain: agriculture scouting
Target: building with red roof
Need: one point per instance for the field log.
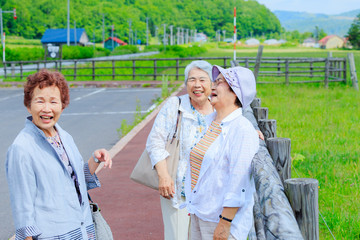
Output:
(331, 41)
(113, 42)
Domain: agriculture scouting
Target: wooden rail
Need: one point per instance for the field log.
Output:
(120, 69)
(295, 70)
(277, 215)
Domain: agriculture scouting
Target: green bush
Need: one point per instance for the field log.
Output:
(23, 54)
(77, 52)
(126, 49)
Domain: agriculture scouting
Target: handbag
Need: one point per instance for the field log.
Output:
(144, 173)
(102, 228)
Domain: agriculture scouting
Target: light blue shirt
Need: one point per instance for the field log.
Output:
(225, 178)
(44, 201)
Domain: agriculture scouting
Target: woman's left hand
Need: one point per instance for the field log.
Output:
(261, 135)
(222, 231)
(103, 156)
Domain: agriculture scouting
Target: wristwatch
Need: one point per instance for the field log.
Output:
(95, 158)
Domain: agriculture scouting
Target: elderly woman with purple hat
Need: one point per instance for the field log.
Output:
(219, 186)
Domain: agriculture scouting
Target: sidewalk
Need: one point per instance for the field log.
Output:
(132, 210)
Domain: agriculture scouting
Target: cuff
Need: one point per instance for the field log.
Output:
(29, 231)
(92, 181)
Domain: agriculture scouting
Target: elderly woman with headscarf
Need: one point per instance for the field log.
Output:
(219, 185)
(47, 178)
(194, 106)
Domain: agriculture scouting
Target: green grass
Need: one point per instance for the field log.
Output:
(323, 125)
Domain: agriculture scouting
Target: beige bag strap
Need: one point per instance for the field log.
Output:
(179, 117)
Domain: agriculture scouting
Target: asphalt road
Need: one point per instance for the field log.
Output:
(92, 118)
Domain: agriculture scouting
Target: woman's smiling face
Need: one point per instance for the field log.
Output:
(198, 85)
(221, 94)
(46, 108)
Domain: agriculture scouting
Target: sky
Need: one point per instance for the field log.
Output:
(330, 7)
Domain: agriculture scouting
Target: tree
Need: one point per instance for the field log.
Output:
(354, 32)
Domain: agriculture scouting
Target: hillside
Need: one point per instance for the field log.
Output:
(208, 16)
(306, 22)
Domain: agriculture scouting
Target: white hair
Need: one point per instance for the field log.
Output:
(200, 64)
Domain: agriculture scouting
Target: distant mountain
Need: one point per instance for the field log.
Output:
(306, 22)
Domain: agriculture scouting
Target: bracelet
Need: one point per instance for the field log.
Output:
(95, 158)
(226, 219)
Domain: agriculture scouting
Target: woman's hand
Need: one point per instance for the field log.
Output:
(166, 184)
(28, 238)
(222, 231)
(261, 135)
(103, 156)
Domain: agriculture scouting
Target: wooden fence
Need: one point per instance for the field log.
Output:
(285, 208)
(121, 69)
(296, 70)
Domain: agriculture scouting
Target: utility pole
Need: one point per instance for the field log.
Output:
(178, 36)
(68, 23)
(103, 30)
(147, 31)
(224, 33)
(171, 35)
(135, 38)
(75, 32)
(164, 39)
(156, 34)
(2, 29)
(129, 32)
(112, 37)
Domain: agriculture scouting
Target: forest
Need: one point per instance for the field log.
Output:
(207, 16)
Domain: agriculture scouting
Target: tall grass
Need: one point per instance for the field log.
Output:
(323, 125)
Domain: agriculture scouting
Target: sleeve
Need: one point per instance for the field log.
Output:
(240, 188)
(92, 181)
(21, 180)
(164, 125)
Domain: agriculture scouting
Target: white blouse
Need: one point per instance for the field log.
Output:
(225, 178)
(164, 127)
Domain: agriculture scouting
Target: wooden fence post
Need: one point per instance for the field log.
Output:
(303, 196)
(344, 70)
(268, 128)
(327, 66)
(12, 69)
(279, 149)
(258, 61)
(93, 70)
(75, 70)
(155, 70)
(278, 67)
(21, 70)
(247, 62)
(331, 65)
(311, 69)
(225, 66)
(113, 70)
(133, 68)
(255, 103)
(353, 71)
(260, 113)
(287, 71)
(177, 69)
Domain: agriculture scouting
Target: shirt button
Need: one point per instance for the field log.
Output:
(189, 201)
(243, 190)
(82, 223)
(194, 191)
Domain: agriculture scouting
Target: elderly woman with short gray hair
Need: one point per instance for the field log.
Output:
(194, 106)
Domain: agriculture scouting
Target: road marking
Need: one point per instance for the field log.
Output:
(109, 113)
(12, 96)
(89, 94)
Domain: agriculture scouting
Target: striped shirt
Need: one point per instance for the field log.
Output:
(198, 152)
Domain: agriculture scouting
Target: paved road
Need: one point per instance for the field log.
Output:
(92, 118)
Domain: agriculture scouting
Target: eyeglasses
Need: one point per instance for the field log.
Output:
(218, 81)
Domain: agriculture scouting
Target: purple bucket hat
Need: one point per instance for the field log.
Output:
(241, 80)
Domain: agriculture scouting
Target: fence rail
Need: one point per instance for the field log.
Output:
(268, 69)
(119, 69)
(289, 70)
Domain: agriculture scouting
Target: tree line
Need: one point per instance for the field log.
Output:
(207, 16)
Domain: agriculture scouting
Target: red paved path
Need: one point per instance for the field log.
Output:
(132, 210)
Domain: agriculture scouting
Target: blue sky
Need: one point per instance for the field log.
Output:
(313, 6)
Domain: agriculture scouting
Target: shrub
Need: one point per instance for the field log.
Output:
(77, 52)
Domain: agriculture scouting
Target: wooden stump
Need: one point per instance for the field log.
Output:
(260, 113)
(268, 128)
(303, 196)
(279, 149)
(256, 103)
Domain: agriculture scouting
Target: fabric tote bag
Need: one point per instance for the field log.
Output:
(143, 172)
(102, 228)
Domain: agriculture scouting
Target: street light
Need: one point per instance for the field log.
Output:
(2, 31)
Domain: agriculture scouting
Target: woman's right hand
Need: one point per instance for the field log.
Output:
(166, 184)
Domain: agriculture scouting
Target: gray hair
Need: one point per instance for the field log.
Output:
(200, 64)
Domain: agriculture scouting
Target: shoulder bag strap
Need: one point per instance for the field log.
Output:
(179, 116)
